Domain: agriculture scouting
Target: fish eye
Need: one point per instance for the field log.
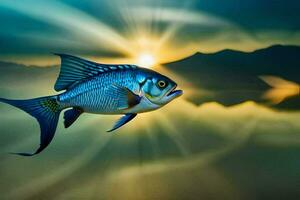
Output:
(162, 84)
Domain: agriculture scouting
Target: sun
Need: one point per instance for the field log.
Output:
(146, 60)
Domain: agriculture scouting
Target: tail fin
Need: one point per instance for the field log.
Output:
(46, 110)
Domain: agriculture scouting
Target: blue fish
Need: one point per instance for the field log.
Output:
(97, 88)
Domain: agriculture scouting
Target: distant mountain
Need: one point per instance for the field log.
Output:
(19, 72)
(17, 79)
(228, 77)
(232, 77)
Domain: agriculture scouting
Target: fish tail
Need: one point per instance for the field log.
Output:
(46, 110)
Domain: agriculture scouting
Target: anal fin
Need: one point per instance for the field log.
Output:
(71, 115)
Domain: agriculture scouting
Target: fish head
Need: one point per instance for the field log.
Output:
(159, 89)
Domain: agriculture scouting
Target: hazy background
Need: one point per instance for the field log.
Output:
(234, 134)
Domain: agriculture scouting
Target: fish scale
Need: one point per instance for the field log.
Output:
(92, 96)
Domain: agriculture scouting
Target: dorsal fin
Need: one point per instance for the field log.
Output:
(74, 69)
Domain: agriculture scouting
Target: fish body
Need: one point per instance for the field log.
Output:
(97, 88)
(99, 95)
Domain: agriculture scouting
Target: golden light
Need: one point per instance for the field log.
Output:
(281, 89)
(146, 60)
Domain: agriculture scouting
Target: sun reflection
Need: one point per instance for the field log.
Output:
(281, 89)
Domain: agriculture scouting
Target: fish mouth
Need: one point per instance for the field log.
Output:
(175, 93)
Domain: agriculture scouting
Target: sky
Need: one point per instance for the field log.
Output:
(122, 30)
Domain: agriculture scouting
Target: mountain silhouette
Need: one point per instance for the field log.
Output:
(227, 77)
(20, 72)
(232, 77)
(15, 79)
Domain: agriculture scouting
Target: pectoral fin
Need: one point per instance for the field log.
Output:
(125, 97)
(122, 121)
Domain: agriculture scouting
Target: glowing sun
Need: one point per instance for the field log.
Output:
(146, 60)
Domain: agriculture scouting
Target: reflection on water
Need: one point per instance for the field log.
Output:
(182, 151)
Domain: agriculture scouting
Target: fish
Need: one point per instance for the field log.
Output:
(90, 87)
